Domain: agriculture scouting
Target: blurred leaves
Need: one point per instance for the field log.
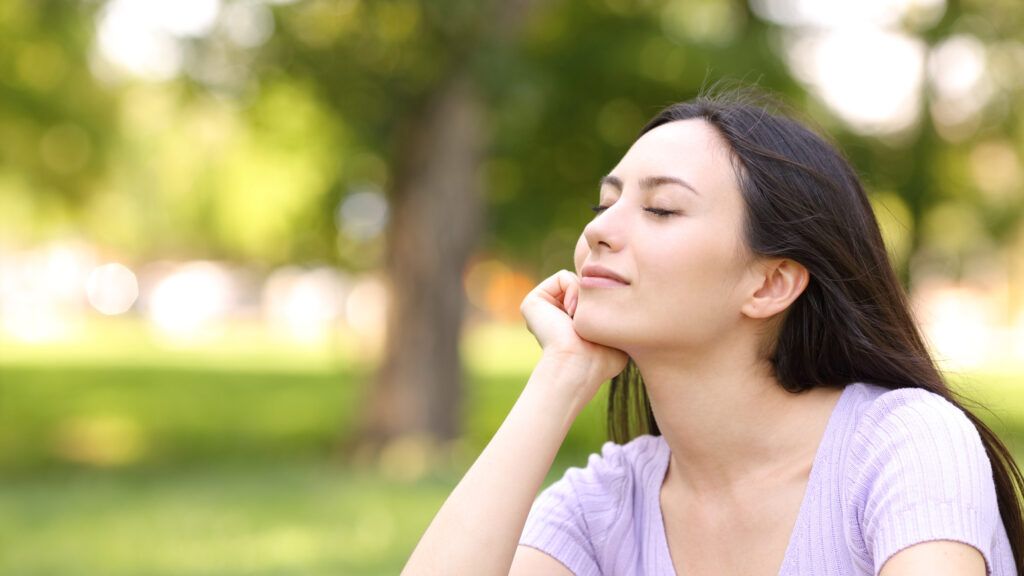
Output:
(56, 120)
(281, 111)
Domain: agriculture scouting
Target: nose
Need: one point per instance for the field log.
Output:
(606, 228)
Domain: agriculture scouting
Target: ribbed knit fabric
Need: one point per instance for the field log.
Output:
(894, 468)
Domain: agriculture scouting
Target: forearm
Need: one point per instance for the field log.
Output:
(477, 529)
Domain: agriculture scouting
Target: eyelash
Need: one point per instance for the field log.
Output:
(656, 211)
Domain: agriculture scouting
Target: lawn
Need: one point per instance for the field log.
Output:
(131, 458)
(300, 516)
(122, 456)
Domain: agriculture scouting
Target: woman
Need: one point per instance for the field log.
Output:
(773, 407)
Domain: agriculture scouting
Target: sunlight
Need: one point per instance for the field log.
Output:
(844, 50)
(112, 289)
(41, 291)
(961, 86)
(187, 303)
(846, 66)
(140, 37)
(304, 304)
(366, 312)
(957, 323)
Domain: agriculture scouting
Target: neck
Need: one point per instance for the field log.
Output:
(727, 420)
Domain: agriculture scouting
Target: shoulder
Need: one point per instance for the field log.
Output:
(913, 434)
(916, 470)
(895, 426)
(882, 412)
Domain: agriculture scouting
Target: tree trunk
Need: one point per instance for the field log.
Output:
(437, 218)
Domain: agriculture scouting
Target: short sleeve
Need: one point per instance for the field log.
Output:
(557, 524)
(919, 472)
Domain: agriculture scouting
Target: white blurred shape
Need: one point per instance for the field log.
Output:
(363, 214)
(958, 325)
(34, 321)
(183, 17)
(871, 77)
(861, 58)
(112, 289)
(956, 65)
(304, 304)
(66, 267)
(141, 36)
(366, 312)
(41, 291)
(841, 13)
(957, 73)
(248, 24)
(128, 40)
(190, 299)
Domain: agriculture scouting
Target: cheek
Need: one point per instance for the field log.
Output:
(581, 253)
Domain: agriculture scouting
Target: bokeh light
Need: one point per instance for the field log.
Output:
(140, 37)
(846, 66)
(366, 310)
(496, 289)
(41, 291)
(187, 303)
(363, 214)
(112, 288)
(304, 304)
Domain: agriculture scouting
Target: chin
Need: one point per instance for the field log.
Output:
(598, 330)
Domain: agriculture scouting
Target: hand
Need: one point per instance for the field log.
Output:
(548, 310)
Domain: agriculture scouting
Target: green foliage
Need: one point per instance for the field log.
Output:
(254, 169)
(56, 119)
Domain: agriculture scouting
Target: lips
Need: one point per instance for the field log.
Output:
(596, 271)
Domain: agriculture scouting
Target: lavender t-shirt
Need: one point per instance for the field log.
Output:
(894, 468)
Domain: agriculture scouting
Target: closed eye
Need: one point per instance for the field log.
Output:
(656, 211)
(661, 212)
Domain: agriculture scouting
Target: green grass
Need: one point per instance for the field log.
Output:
(286, 517)
(121, 456)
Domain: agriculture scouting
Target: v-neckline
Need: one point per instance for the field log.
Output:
(821, 454)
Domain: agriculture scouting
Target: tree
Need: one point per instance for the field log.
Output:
(476, 101)
(53, 148)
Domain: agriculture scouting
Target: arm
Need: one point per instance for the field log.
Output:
(478, 528)
(936, 558)
(532, 562)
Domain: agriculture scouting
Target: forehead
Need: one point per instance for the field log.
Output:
(691, 149)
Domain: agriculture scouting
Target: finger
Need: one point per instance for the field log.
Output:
(557, 284)
(572, 295)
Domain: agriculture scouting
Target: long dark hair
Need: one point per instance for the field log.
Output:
(853, 322)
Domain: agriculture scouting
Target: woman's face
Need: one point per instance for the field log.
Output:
(686, 270)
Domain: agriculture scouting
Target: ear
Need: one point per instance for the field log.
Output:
(781, 281)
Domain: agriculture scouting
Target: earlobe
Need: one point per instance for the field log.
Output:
(782, 282)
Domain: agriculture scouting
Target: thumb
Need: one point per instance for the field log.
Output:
(572, 295)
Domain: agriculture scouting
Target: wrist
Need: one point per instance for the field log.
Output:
(565, 378)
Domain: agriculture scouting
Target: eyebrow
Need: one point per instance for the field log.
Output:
(649, 182)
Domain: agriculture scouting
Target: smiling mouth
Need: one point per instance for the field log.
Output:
(600, 282)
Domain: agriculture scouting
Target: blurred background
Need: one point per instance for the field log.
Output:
(261, 261)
